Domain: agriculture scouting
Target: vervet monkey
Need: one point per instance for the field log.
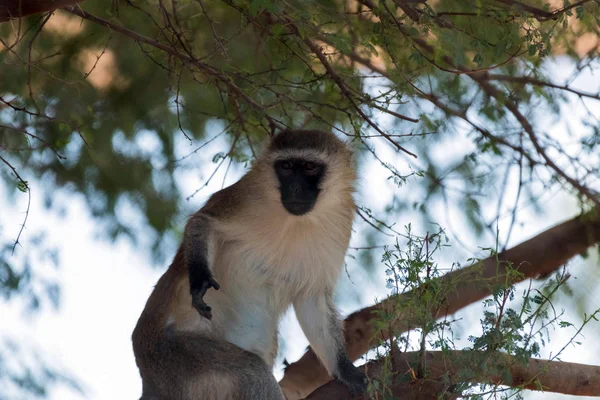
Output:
(275, 238)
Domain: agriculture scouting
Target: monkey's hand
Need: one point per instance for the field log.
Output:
(198, 290)
(352, 377)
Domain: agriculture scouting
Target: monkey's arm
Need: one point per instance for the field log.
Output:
(196, 254)
(323, 329)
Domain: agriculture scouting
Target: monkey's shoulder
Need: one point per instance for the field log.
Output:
(226, 203)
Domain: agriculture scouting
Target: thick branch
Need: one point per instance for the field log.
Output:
(539, 256)
(475, 367)
(21, 8)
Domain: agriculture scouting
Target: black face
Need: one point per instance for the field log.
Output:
(299, 184)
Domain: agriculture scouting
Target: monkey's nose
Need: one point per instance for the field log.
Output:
(295, 188)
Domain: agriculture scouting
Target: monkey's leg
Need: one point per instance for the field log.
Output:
(323, 329)
(194, 367)
(254, 327)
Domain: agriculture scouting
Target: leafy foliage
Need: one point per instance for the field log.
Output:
(514, 326)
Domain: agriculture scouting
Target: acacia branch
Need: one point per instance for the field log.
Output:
(346, 92)
(10, 9)
(23, 185)
(475, 367)
(207, 69)
(492, 91)
(341, 84)
(527, 80)
(538, 13)
(538, 256)
(478, 76)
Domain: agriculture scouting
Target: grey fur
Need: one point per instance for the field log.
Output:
(197, 367)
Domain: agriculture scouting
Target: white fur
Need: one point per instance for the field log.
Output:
(314, 317)
(264, 268)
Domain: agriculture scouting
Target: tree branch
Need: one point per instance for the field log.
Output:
(538, 256)
(475, 367)
(528, 128)
(342, 86)
(538, 13)
(527, 80)
(10, 9)
(478, 76)
(205, 68)
(345, 91)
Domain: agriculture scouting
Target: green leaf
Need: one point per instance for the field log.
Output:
(23, 186)
(256, 6)
(218, 157)
(277, 29)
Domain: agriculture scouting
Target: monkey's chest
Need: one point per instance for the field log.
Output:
(290, 265)
(261, 275)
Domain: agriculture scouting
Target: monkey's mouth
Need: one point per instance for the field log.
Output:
(298, 208)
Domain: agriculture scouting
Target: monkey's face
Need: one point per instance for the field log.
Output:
(299, 181)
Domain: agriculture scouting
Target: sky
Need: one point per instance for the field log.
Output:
(104, 286)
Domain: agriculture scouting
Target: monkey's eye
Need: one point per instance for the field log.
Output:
(286, 165)
(309, 166)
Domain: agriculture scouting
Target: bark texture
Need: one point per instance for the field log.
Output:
(10, 9)
(441, 367)
(536, 257)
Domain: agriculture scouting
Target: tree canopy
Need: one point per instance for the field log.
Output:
(470, 108)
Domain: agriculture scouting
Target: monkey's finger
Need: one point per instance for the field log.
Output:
(204, 286)
(203, 309)
(214, 283)
(207, 313)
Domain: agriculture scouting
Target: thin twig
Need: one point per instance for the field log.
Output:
(26, 188)
(207, 69)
